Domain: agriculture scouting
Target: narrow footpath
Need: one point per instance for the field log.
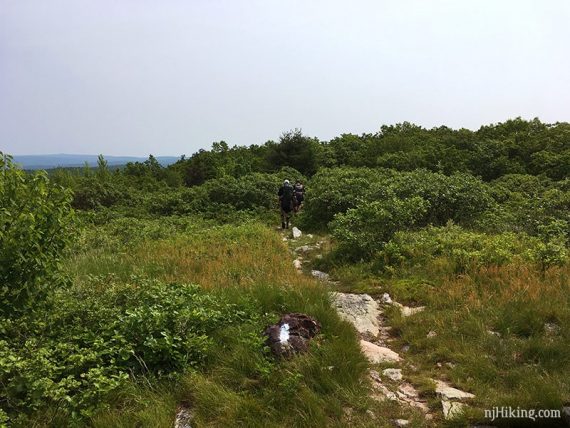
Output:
(367, 315)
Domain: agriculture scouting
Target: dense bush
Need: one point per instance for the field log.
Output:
(95, 336)
(458, 197)
(364, 230)
(452, 249)
(252, 192)
(35, 227)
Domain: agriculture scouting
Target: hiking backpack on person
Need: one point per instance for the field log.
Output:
(286, 202)
(299, 190)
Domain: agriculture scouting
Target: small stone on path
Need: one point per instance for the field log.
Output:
(447, 392)
(378, 354)
(393, 374)
(296, 233)
(323, 276)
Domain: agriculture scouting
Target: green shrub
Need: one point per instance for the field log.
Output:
(92, 338)
(459, 197)
(363, 230)
(452, 249)
(35, 227)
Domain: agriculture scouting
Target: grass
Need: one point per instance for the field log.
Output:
(240, 385)
(501, 331)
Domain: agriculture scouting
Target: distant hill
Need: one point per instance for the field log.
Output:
(65, 160)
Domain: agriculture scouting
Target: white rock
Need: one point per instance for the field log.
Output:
(304, 249)
(431, 334)
(284, 239)
(183, 418)
(401, 423)
(378, 354)
(359, 309)
(449, 393)
(310, 236)
(452, 409)
(393, 374)
(551, 329)
(407, 311)
(493, 333)
(386, 299)
(320, 275)
(298, 264)
(296, 233)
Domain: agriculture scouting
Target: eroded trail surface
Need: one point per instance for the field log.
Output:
(389, 371)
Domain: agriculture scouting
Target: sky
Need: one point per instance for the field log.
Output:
(168, 77)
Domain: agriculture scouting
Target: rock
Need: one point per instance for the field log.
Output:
(380, 388)
(359, 309)
(452, 409)
(296, 233)
(183, 417)
(551, 329)
(387, 299)
(405, 348)
(291, 334)
(284, 239)
(378, 354)
(401, 423)
(310, 236)
(304, 249)
(320, 275)
(407, 311)
(298, 264)
(393, 374)
(493, 333)
(449, 393)
(431, 334)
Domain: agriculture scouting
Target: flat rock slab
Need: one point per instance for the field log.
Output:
(447, 392)
(378, 354)
(393, 374)
(452, 409)
(359, 309)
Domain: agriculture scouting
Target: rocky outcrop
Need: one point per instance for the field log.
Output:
(359, 309)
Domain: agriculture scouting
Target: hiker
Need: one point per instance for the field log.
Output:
(299, 190)
(286, 202)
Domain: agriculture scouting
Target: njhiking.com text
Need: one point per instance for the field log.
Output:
(508, 412)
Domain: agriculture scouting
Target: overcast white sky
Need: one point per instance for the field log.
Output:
(167, 77)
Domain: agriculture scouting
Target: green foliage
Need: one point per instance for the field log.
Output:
(459, 197)
(35, 227)
(364, 230)
(450, 250)
(296, 151)
(91, 338)
(553, 250)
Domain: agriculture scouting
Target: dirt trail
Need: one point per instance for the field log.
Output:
(367, 315)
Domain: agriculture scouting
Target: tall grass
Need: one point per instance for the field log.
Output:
(241, 384)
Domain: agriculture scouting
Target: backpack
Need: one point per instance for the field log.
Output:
(287, 197)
